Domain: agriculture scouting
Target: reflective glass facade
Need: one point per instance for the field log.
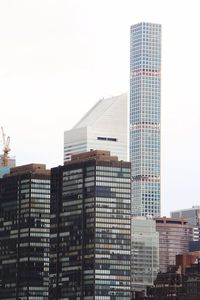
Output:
(144, 253)
(90, 230)
(24, 236)
(145, 80)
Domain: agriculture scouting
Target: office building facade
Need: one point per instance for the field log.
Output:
(144, 253)
(174, 237)
(194, 246)
(104, 127)
(24, 233)
(145, 101)
(11, 163)
(90, 228)
(193, 217)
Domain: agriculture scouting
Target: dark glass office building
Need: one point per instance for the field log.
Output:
(24, 233)
(90, 228)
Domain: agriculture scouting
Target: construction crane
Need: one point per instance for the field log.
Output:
(6, 148)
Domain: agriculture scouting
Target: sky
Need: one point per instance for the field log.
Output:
(59, 57)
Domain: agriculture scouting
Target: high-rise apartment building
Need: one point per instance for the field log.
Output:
(174, 237)
(90, 228)
(145, 99)
(104, 127)
(144, 253)
(24, 233)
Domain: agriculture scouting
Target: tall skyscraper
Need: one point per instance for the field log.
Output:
(24, 233)
(104, 127)
(90, 228)
(145, 68)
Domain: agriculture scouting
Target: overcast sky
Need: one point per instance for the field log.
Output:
(58, 57)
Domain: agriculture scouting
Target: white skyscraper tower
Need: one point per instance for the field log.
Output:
(145, 102)
(104, 127)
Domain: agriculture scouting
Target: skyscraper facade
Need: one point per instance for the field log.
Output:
(144, 253)
(24, 233)
(174, 237)
(145, 81)
(193, 217)
(104, 127)
(90, 228)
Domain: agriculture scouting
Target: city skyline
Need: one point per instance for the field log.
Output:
(48, 49)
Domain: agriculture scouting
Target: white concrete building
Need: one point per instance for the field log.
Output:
(104, 127)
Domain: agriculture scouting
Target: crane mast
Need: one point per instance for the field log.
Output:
(6, 148)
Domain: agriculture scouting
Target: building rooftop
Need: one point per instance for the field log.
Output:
(102, 156)
(101, 110)
(166, 220)
(194, 207)
(30, 168)
(94, 154)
